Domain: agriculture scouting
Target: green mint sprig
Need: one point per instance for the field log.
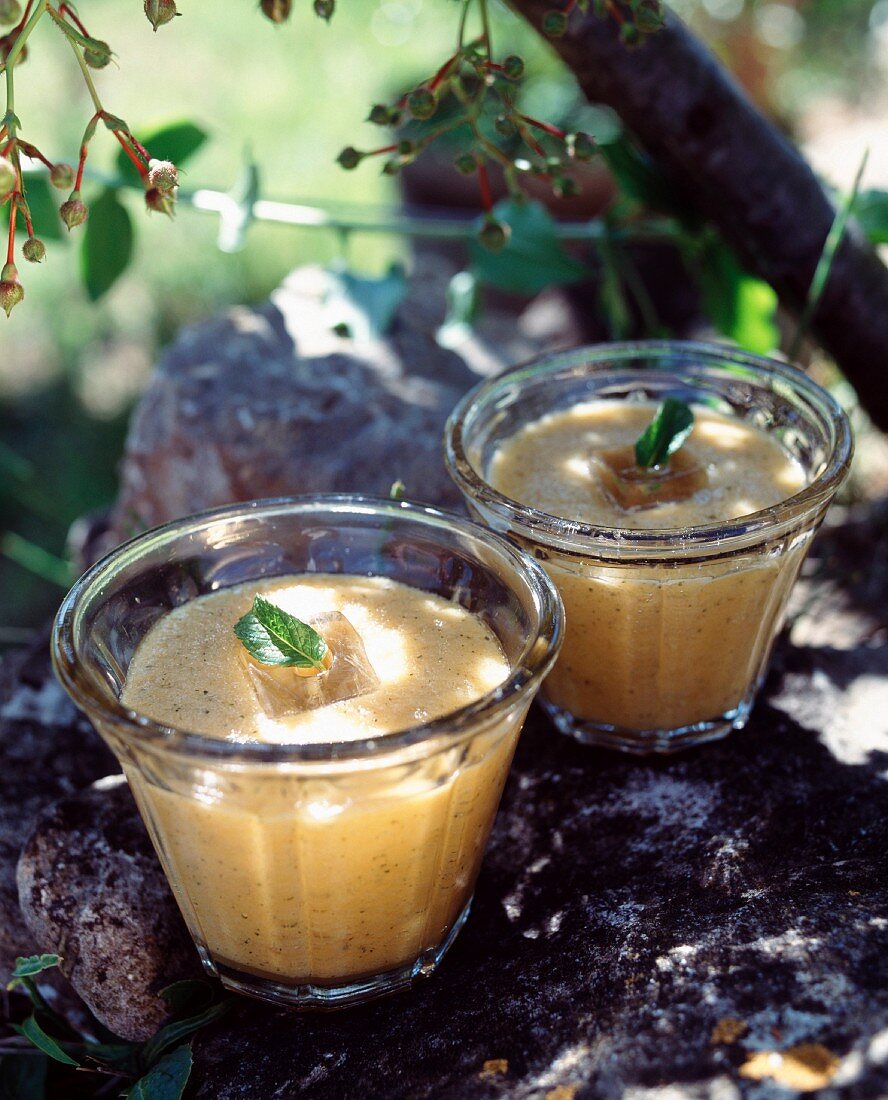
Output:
(672, 424)
(273, 637)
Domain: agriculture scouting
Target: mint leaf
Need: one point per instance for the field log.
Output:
(167, 1080)
(32, 964)
(35, 1034)
(671, 426)
(273, 637)
(22, 1077)
(175, 1032)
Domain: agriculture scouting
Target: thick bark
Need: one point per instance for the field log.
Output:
(744, 176)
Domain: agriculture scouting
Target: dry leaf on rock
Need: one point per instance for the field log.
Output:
(805, 1067)
(728, 1030)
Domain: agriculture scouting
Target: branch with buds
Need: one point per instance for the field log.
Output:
(476, 94)
(159, 178)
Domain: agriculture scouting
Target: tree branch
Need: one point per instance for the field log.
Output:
(743, 175)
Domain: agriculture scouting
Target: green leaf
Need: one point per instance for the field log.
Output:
(36, 1035)
(174, 1033)
(871, 212)
(740, 306)
(274, 637)
(532, 258)
(26, 967)
(166, 1080)
(176, 141)
(639, 178)
(188, 995)
(365, 306)
(671, 426)
(827, 256)
(107, 244)
(43, 201)
(22, 1077)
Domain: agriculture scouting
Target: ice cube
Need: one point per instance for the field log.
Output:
(281, 690)
(630, 486)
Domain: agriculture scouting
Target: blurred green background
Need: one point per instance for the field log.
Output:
(289, 98)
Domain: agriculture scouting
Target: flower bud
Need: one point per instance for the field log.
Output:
(421, 103)
(582, 146)
(34, 250)
(494, 235)
(554, 24)
(7, 41)
(379, 115)
(324, 9)
(278, 11)
(159, 12)
(10, 11)
(8, 177)
(391, 167)
(504, 126)
(61, 176)
(11, 290)
(74, 211)
(163, 175)
(630, 35)
(466, 164)
(513, 66)
(349, 158)
(160, 202)
(96, 53)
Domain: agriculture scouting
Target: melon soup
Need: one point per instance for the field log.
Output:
(322, 836)
(675, 584)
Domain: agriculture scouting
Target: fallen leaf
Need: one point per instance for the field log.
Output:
(562, 1092)
(728, 1030)
(494, 1067)
(805, 1067)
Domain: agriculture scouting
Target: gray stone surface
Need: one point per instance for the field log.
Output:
(91, 890)
(46, 751)
(271, 401)
(627, 908)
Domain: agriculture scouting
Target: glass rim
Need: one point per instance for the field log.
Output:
(530, 667)
(585, 537)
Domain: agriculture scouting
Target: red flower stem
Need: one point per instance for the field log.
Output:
(32, 151)
(484, 185)
(10, 246)
(530, 140)
(64, 10)
(553, 130)
(384, 149)
(28, 223)
(141, 168)
(615, 12)
(442, 72)
(80, 166)
(24, 19)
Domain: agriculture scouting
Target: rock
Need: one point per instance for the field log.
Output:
(624, 910)
(270, 401)
(92, 891)
(47, 750)
(641, 928)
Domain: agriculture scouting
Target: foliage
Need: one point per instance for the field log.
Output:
(51, 1058)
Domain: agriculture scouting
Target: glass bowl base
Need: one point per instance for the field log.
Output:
(644, 742)
(309, 997)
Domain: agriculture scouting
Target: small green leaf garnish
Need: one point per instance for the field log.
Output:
(671, 426)
(273, 637)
